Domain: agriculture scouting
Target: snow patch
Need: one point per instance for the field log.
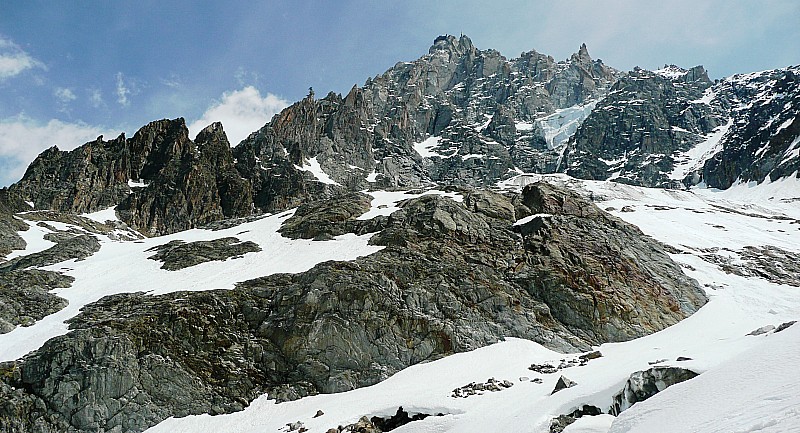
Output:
(530, 218)
(523, 126)
(425, 148)
(314, 168)
(671, 72)
(386, 202)
(34, 241)
(695, 157)
(123, 267)
(101, 216)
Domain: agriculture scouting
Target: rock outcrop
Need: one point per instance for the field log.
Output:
(177, 254)
(343, 325)
(9, 225)
(25, 296)
(160, 180)
(645, 384)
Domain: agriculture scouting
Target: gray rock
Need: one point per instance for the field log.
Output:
(762, 330)
(642, 385)
(563, 383)
(785, 325)
(581, 269)
(180, 255)
(25, 297)
(322, 220)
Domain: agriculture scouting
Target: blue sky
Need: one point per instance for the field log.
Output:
(70, 71)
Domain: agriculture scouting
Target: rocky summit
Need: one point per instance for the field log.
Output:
(354, 236)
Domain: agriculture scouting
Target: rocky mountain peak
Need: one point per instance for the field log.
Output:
(457, 47)
(582, 56)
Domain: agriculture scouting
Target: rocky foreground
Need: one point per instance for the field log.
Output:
(545, 265)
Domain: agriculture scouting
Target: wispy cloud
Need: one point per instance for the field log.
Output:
(247, 78)
(96, 98)
(122, 90)
(22, 139)
(14, 60)
(241, 112)
(64, 95)
(173, 81)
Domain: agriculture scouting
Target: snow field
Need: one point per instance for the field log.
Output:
(715, 338)
(747, 382)
(123, 267)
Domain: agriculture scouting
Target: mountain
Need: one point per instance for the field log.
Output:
(541, 208)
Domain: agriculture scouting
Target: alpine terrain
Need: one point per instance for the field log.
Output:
(465, 243)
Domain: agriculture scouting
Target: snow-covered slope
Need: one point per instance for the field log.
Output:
(708, 230)
(123, 267)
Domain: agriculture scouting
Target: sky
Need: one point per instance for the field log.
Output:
(70, 71)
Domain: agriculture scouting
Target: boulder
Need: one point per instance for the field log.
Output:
(642, 385)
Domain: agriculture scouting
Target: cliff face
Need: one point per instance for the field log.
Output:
(161, 181)
(763, 138)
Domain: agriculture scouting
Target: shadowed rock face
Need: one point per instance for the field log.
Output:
(452, 277)
(765, 128)
(9, 226)
(186, 183)
(25, 297)
(642, 385)
(636, 129)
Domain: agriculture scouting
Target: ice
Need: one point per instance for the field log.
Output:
(558, 127)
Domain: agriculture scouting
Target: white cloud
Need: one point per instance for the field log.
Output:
(22, 139)
(241, 112)
(64, 94)
(122, 90)
(14, 60)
